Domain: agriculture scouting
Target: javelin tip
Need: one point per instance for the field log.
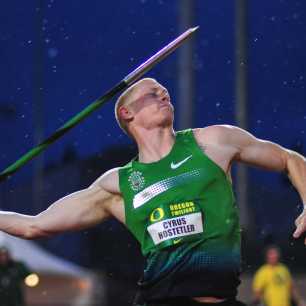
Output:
(194, 28)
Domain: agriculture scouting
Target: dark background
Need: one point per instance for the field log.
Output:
(58, 56)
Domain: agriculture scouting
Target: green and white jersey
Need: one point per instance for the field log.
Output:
(182, 211)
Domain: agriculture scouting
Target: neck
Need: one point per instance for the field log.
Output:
(273, 264)
(154, 144)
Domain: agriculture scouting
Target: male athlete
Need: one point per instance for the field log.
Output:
(176, 198)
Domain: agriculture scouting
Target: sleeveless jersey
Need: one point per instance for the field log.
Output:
(182, 211)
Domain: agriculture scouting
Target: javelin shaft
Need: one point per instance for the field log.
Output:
(62, 130)
(128, 80)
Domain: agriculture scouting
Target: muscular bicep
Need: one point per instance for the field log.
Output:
(254, 151)
(76, 211)
(264, 154)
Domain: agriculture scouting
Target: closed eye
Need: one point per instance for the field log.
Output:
(152, 95)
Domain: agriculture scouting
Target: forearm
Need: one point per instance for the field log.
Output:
(74, 212)
(296, 295)
(296, 169)
(19, 225)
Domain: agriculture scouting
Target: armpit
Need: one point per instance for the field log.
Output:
(115, 208)
(109, 181)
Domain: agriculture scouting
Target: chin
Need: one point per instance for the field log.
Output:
(168, 120)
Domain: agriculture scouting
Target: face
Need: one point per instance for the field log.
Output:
(150, 105)
(272, 256)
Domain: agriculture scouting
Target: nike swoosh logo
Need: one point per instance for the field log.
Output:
(175, 241)
(176, 165)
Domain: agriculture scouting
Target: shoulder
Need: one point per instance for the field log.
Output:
(109, 181)
(217, 131)
(263, 268)
(284, 268)
(225, 134)
(262, 271)
(220, 134)
(20, 265)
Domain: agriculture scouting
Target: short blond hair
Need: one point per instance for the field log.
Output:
(124, 99)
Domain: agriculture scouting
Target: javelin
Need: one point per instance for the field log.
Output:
(127, 81)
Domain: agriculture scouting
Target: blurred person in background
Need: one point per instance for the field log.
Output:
(12, 276)
(273, 284)
(176, 198)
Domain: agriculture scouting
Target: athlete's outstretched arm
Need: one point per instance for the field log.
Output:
(271, 156)
(76, 211)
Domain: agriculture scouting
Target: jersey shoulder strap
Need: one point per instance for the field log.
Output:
(187, 138)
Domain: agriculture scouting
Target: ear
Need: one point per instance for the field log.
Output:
(125, 113)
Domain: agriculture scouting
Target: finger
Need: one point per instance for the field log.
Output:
(297, 222)
(298, 231)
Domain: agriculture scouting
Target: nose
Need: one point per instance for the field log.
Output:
(164, 95)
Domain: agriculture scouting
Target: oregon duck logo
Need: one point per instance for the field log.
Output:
(136, 180)
(157, 214)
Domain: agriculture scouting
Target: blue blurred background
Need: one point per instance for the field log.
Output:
(58, 56)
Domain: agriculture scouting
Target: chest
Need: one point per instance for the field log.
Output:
(176, 184)
(278, 278)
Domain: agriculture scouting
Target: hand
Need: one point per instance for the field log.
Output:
(300, 224)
